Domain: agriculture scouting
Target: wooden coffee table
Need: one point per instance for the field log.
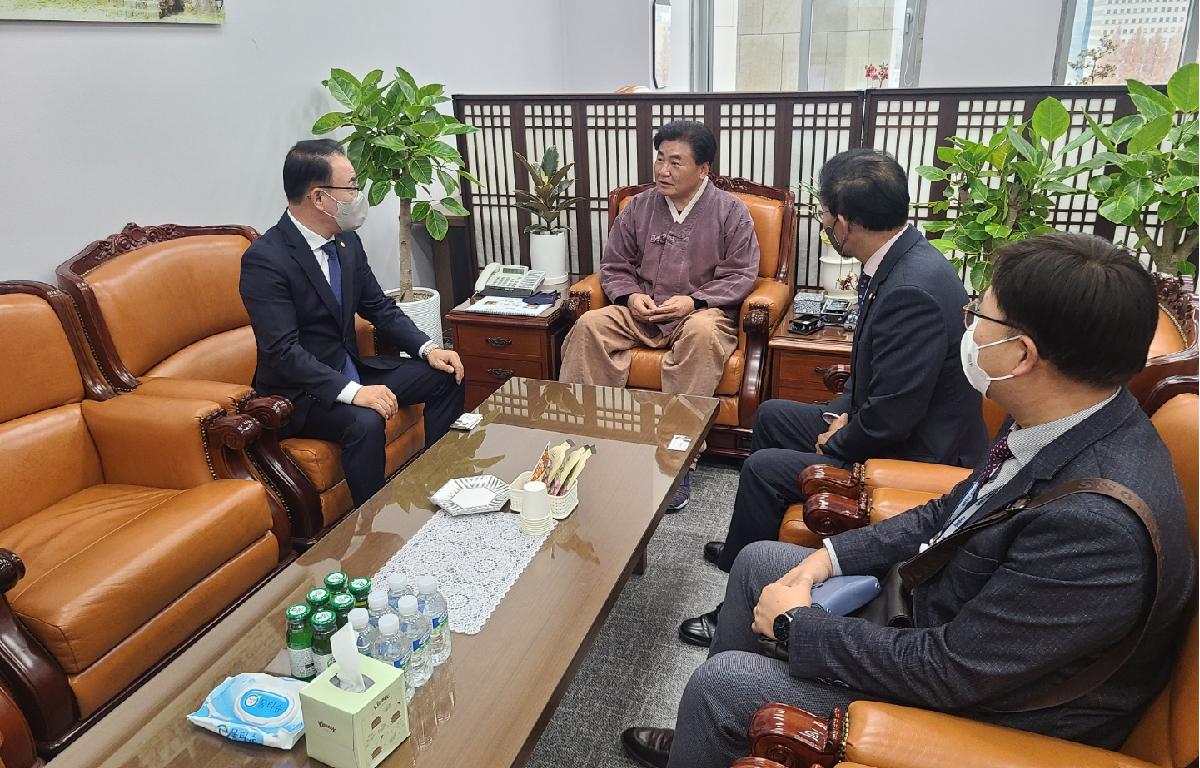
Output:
(488, 704)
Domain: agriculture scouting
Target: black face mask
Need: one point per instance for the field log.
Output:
(833, 241)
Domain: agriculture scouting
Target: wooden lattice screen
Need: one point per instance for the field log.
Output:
(779, 139)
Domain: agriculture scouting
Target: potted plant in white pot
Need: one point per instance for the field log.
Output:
(547, 201)
(396, 145)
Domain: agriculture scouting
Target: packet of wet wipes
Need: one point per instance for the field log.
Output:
(254, 708)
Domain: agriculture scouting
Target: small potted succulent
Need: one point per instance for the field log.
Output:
(547, 201)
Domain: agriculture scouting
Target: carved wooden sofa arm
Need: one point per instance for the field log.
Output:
(826, 478)
(585, 295)
(34, 677)
(828, 514)
(295, 491)
(793, 737)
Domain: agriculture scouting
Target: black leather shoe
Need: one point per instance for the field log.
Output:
(700, 630)
(713, 550)
(650, 747)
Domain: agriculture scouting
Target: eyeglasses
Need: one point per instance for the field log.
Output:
(971, 309)
(330, 186)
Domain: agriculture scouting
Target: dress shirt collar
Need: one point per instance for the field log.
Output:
(1026, 442)
(314, 240)
(877, 258)
(679, 216)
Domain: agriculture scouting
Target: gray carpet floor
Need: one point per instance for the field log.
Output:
(636, 669)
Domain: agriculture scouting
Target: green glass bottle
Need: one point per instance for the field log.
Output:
(317, 598)
(341, 603)
(299, 642)
(359, 588)
(336, 582)
(324, 624)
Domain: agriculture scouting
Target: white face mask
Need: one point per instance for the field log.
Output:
(968, 351)
(350, 216)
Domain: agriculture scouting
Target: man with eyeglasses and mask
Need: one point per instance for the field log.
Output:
(906, 397)
(302, 283)
(1045, 592)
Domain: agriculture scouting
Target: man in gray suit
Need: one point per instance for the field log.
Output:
(1028, 600)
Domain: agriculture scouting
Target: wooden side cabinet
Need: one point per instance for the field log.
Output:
(798, 362)
(495, 348)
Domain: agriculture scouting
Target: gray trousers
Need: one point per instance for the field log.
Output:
(726, 690)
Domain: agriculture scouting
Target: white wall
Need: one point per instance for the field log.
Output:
(101, 124)
(607, 45)
(985, 43)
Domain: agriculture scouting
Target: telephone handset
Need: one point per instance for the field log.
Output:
(512, 280)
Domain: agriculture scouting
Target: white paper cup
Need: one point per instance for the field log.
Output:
(535, 504)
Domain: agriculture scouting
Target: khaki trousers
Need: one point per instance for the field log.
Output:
(597, 350)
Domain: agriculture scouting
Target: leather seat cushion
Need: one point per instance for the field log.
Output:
(227, 356)
(321, 460)
(914, 475)
(225, 395)
(1167, 338)
(794, 531)
(44, 458)
(889, 502)
(645, 370)
(103, 562)
(39, 367)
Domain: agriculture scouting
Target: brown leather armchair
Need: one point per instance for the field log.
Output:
(741, 388)
(892, 736)
(163, 313)
(17, 749)
(839, 499)
(128, 523)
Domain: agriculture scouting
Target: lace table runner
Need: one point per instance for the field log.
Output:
(475, 558)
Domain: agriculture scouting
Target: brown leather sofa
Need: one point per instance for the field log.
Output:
(839, 499)
(163, 313)
(128, 522)
(892, 736)
(741, 388)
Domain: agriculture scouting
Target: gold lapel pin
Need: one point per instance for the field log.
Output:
(340, 243)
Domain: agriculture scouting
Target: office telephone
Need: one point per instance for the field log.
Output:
(512, 280)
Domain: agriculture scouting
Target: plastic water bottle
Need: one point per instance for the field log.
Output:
(398, 587)
(415, 629)
(377, 606)
(392, 648)
(433, 608)
(365, 636)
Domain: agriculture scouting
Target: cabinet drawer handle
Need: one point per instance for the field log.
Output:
(498, 341)
(501, 373)
(820, 370)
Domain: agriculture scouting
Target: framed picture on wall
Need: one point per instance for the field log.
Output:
(159, 11)
(662, 42)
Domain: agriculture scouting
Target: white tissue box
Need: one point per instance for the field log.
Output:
(560, 506)
(355, 730)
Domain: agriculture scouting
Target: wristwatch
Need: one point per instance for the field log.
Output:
(783, 625)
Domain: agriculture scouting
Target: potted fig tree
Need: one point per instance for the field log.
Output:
(396, 144)
(547, 201)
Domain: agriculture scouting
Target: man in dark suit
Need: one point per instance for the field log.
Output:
(906, 397)
(1030, 596)
(302, 283)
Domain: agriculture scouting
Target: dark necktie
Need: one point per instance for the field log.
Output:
(999, 454)
(335, 282)
(864, 283)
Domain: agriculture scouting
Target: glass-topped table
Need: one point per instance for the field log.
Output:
(488, 704)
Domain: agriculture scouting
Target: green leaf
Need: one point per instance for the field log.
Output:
(1125, 127)
(344, 87)
(449, 183)
(437, 225)
(1026, 171)
(1099, 133)
(406, 187)
(1185, 267)
(948, 155)
(1188, 155)
(1148, 100)
(454, 207)
(1140, 190)
(422, 170)
(372, 79)
(454, 129)
(403, 77)
(998, 230)
(330, 121)
(936, 226)
(550, 160)
(1058, 188)
(428, 130)
(1177, 184)
(933, 173)
(1193, 207)
(430, 91)
(1023, 147)
(943, 245)
(443, 152)
(1184, 88)
(1077, 142)
(1118, 208)
(986, 215)
(394, 143)
(1100, 186)
(354, 152)
(471, 178)
(379, 190)
(420, 210)
(1150, 135)
(1168, 209)
(980, 275)
(1051, 119)
(979, 190)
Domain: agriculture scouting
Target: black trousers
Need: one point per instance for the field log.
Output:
(784, 443)
(359, 431)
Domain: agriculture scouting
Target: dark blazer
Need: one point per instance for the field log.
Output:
(907, 395)
(301, 333)
(1028, 601)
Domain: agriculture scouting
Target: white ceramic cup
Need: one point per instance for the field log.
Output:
(535, 502)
